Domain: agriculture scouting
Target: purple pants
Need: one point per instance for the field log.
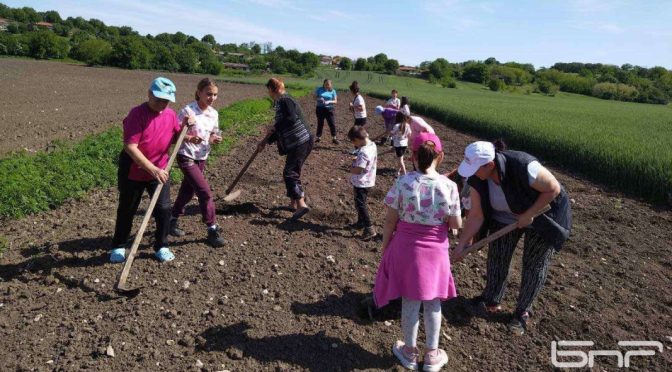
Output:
(194, 182)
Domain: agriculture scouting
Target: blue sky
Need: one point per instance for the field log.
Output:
(540, 32)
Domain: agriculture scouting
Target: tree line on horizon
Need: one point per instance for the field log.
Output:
(94, 43)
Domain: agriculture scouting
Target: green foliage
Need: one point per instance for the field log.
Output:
(209, 39)
(34, 183)
(361, 64)
(510, 75)
(621, 92)
(476, 72)
(546, 87)
(92, 51)
(187, 59)
(496, 84)
(345, 64)
(46, 45)
(448, 82)
(439, 69)
(130, 52)
(163, 59)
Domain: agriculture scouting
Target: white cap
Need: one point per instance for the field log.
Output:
(476, 155)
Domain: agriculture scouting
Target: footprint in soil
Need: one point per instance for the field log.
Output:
(305, 350)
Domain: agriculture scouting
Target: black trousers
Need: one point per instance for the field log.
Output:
(292, 172)
(537, 256)
(130, 193)
(360, 122)
(360, 204)
(323, 114)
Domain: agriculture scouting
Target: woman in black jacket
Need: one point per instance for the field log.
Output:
(294, 140)
(511, 187)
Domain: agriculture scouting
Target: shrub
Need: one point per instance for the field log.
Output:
(496, 85)
(130, 52)
(475, 72)
(448, 82)
(92, 51)
(46, 45)
(510, 75)
(621, 92)
(546, 87)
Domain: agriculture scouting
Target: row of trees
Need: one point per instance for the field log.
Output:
(95, 43)
(378, 63)
(625, 83)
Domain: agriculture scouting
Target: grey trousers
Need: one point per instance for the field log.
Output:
(536, 261)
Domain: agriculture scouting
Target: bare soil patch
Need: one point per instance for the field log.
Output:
(45, 101)
(273, 300)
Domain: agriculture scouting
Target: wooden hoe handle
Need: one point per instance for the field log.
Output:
(498, 234)
(247, 165)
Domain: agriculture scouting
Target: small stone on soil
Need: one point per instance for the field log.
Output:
(199, 364)
(387, 323)
(109, 351)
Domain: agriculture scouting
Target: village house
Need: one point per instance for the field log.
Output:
(326, 60)
(3, 24)
(46, 25)
(237, 66)
(409, 70)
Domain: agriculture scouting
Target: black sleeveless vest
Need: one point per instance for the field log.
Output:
(553, 226)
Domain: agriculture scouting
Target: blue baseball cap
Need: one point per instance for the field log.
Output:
(163, 88)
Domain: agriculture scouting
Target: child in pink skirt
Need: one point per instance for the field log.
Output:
(421, 207)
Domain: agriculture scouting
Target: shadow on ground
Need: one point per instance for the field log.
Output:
(316, 352)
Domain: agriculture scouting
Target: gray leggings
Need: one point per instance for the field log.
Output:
(410, 321)
(536, 260)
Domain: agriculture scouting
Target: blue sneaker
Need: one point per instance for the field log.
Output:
(164, 255)
(118, 255)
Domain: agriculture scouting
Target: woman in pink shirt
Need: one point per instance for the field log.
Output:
(149, 131)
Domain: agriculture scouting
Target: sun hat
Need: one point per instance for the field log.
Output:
(476, 155)
(163, 88)
(423, 137)
(380, 109)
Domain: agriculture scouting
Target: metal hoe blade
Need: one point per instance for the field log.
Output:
(232, 196)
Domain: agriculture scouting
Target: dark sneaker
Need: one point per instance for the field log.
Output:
(478, 307)
(355, 225)
(518, 324)
(369, 233)
(175, 229)
(298, 214)
(335, 141)
(214, 239)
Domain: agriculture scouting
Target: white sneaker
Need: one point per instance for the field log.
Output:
(409, 361)
(434, 363)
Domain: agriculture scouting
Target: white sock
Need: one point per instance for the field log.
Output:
(213, 227)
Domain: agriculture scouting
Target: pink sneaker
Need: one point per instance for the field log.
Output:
(408, 359)
(435, 360)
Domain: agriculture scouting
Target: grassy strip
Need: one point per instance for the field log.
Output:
(36, 183)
